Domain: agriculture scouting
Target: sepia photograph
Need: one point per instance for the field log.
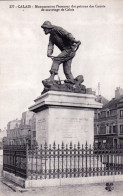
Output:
(61, 97)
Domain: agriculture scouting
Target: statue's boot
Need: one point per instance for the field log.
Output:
(71, 81)
(51, 78)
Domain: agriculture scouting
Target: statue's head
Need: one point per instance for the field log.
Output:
(47, 27)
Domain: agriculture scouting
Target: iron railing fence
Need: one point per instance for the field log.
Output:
(15, 159)
(62, 161)
(73, 161)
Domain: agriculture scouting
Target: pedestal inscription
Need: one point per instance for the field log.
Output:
(71, 125)
(67, 117)
(42, 127)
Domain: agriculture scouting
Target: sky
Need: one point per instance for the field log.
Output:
(23, 50)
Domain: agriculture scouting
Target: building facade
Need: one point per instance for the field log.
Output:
(108, 126)
(2, 134)
(19, 131)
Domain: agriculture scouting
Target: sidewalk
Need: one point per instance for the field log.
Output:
(83, 190)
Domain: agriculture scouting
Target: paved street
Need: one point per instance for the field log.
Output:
(84, 190)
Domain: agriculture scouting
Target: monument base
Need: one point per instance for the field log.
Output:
(64, 116)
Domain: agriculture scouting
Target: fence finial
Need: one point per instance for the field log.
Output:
(54, 145)
(78, 145)
(86, 145)
(45, 145)
(62, 145)
(71, 145)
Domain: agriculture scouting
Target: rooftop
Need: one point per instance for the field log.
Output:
(113, 103)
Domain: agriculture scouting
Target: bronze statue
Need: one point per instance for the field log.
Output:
(68, 46)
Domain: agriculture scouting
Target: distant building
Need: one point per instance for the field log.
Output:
(101, 99)
(98, 98)
(19, 131)
(33, 129)
(108, 125)
(2, 135)
(28, 125)
(11, 126)
(26, 118)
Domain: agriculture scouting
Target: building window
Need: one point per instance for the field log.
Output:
(103, 114)
(34, 133)
(102, 130)
(114, 129)
(121, 113)
(113, 112)
(107, 113)
(121, 128)
(98, 115)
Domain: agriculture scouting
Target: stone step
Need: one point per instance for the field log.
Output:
(15, 187)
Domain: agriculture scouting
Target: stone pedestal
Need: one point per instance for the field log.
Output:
(63, 116)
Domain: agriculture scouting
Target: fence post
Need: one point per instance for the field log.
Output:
(27, 148)
(78, 151)
(10, 158)
(45, 158)
(62, 147)
(15, 160)
(71, 159)
(54, 160)
(58, 160)
(86, 157)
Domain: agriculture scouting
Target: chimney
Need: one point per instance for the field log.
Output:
(118, 92)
